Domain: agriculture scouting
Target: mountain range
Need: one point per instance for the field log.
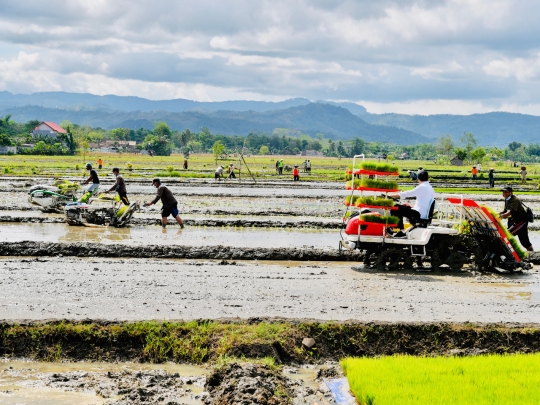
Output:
(336, 120)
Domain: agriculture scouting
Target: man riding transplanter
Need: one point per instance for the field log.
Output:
(424, 194)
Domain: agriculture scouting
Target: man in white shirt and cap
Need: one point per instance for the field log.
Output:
(424, 194)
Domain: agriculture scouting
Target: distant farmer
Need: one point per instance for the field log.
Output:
(100, 163)
(231, 172)
(119, 186)
(308, 166)
(479, 167)
(170, 205)
(218, 173)
(474, 172)
(93, 177)
(420, 169)
(523, 174)
(413, 175)
(281, 166)
(517, 217)
(491, 177)
(185, 164)
(277, 166)
(295, 172)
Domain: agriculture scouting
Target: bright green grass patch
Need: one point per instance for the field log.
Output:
(479, 380)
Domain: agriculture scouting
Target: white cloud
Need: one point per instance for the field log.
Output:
(414, 55)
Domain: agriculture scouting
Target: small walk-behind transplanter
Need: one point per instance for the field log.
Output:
(106, 210)
(457, 231)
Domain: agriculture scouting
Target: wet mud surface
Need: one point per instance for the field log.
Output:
(107, 384)
(145, 289)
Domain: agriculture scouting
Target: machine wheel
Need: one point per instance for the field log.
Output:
(394, 259)
(448, 252)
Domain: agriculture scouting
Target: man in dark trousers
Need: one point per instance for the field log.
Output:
(517, 217)
(424, 197)
(119, 186)
(170, 205)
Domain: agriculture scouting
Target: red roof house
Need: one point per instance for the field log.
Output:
(48, 129)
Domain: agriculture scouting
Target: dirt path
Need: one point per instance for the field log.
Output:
(138, 289)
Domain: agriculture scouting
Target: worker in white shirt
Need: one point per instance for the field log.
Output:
(424, 194)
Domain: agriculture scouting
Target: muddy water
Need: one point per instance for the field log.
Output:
(24, 382)
(173, 235)
(39, 383)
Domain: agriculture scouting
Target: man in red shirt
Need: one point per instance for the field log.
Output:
(295, 172)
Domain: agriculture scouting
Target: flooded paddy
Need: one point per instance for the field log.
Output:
(141, 289)
(172, 235)
(83, 383)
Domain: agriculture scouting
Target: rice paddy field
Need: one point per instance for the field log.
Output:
(478, 380)
(262, 167)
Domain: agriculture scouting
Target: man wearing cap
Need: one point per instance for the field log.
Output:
(424, 194)
(170, 205)
(93, 177)
(517, 217)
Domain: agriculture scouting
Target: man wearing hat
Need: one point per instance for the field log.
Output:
(296, 174)
(491, 177)
(218, 173)
(517, 217)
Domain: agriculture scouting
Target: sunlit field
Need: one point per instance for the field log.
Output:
(262, 167)
(478, 380)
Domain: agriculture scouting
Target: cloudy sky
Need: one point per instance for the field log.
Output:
(419, 57)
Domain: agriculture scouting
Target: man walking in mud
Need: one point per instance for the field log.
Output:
(170, 205)
(119, 186)
(517, 217)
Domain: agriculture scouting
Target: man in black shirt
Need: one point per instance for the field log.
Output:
(119, 186)
(170, 205)
(94, 177)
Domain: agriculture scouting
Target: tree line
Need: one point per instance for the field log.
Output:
(162, 141)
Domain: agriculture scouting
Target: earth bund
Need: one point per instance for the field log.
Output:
(44, 249)
(284, 340)
(40, 249)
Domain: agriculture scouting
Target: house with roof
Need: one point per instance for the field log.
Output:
(456, 161)
(49, 129)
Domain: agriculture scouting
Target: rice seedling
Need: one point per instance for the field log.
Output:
(121, 211)
(380, 184)
(379, 219)
(478, 380)
(374, 201)
(522, 253)
(379, 167)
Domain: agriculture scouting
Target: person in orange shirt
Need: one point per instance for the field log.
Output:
(474, 173)
(296, 174)
(100, 163)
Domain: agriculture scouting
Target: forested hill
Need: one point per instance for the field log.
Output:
(493, 129)
(332, 121)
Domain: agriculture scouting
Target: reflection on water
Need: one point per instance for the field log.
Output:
(172, 235)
